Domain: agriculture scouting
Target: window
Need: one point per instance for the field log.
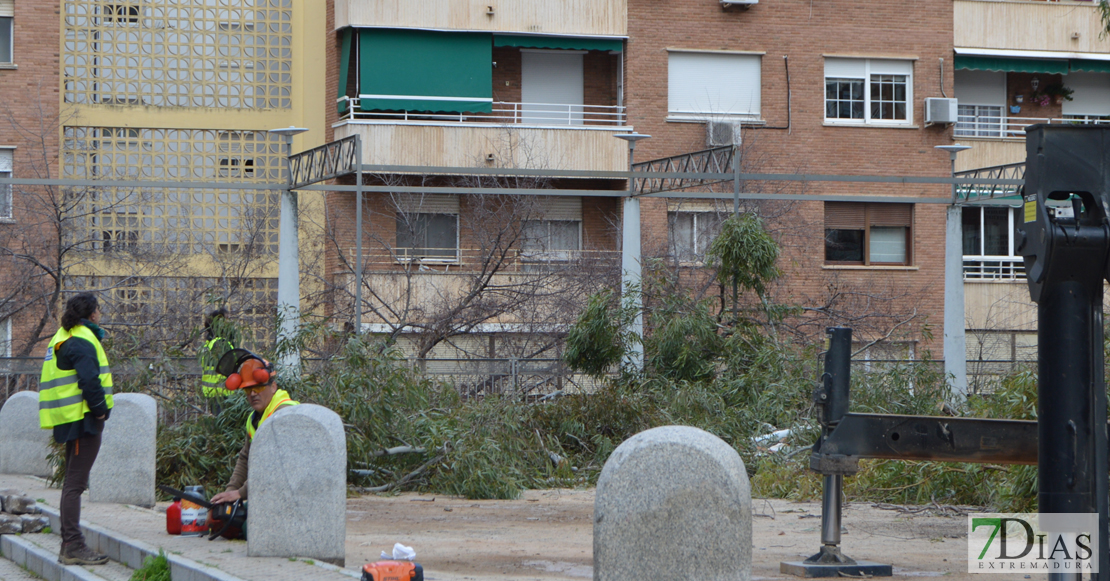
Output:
(5, 189)
(691, 233)
(703, 85)
(868, 91)
(427, 227)
(868, 233)
(988, 239)
(6, 337)
(979, 121)
(121, 13)
(427, 236)
(7, 11)
(551, 228)
(982, 103)
(550, 238)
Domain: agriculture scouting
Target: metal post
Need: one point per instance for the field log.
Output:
(358, 235)
(631, 274)
(955, 342)
(289, 294)
(735, 180)
(833, 398)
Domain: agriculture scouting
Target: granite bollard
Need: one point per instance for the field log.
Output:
(124, 468)
(673, 503)
(24, 446)
(298, 486)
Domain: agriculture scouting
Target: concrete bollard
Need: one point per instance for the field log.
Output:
(24, 446)
(673, 503)
(125, 467)
(298, 486)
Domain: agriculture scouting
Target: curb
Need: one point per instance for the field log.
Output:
(41, 562)
(131, 553)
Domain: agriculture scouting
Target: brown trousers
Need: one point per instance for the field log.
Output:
(80, 455)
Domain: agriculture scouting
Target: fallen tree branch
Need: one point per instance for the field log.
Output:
(398, 450)
(408, 477)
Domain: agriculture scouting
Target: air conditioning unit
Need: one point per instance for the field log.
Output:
(940, 110)
(719, 133)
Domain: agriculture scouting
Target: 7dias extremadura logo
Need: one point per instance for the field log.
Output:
(1032, 542)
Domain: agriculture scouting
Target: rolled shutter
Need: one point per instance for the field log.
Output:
(844, 216)
(891, 214)
(7, 8)
(559, 208)
(427, 203)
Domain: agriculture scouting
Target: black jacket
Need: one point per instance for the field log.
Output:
(80, 355)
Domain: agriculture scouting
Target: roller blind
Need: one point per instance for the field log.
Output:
(980, 87)
(851, 68)
(419, 70)
(844, 216)
(1092, 94)
(890, 214)
(5, 160)
(713, 84)
(427, 203)
(558, 208)
(7, 7)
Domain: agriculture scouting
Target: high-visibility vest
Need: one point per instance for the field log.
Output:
(212, 383)
(281, 398)
(60, 398)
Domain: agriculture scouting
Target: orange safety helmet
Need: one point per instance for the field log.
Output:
(245, 369)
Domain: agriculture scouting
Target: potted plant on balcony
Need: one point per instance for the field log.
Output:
(1059, 93)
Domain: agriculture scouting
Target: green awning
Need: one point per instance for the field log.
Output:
(1089, 66)
(1011, 65)
(418, 70)
(559, 42)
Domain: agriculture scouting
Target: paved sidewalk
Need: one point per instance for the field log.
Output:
(148, 527)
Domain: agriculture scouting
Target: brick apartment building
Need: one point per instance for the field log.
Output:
(28, 149)
(857, 77)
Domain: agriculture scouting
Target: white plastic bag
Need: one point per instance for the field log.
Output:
(400, 553)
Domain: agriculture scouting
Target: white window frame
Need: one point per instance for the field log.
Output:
(968, 122)
(996, 266)
(553, 255)
(685, 107)
(7, 162)
(7, 13)
(697, 253)
(870, 67)
(6, 337)
(432, 204)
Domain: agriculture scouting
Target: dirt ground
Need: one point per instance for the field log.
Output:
(548, 535)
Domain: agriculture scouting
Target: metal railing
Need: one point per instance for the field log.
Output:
(467, 259)
(1003, 127)
(994, 268)
(540, 114)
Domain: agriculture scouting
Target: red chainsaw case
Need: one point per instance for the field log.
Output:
(392, 571)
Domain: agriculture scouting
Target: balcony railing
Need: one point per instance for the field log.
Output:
(455, 260)
(541, 114)
(1014, 127)
(994, 268)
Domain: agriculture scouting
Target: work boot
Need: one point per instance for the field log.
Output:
(80, 554)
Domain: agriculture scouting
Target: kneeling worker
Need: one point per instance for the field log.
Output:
(255, 376)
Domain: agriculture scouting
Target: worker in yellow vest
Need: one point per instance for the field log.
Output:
(255, 376)
(75, 399)
(218, 340)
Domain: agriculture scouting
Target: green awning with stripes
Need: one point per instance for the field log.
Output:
(1011, 65)
(558, 42)
(1089, 66)
(425, 71)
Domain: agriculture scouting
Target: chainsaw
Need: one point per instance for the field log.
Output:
(228, 519)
